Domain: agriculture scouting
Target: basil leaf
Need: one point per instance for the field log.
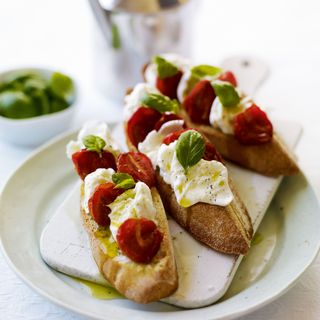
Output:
(227, 94)
(165, 68)
(190, 148)
(205, 70)
(115, 39)
(160, 103)
(94, 143)
(62, 86)
(123, 180)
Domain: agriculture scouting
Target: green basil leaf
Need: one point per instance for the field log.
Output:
(190, 148)
(165, 68)
(94, 143)
(205, 70)
(115, 40)
(62, 86)
(123, 180)
(160, 102)
(227, 94)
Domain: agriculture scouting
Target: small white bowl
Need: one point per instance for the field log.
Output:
(36, 130)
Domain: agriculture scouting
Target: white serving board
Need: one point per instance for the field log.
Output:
(204, 274)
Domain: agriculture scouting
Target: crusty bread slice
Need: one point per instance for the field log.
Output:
(141, 283)
(225, 229)
(271, 159)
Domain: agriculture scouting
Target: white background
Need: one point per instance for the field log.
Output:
(285, 34)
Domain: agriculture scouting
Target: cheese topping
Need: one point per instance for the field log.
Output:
(132, 101)
(133, 203)
(95, 128)
(222, 117)
(207, 181)
(151, 72)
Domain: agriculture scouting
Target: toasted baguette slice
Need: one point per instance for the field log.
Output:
(141, 283)
(225, 229)
(271, 159)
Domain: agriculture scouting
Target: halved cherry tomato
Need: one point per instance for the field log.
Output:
(139, 239)
(252, 126)
(199, 101)
(174, 136)
(169, 85)
(139, 166)
(229, 77)
(103, 195)
(167, 116)
(141, 123)
(211, 153)
(86, 161)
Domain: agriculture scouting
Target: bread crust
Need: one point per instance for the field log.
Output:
(142, 283)
(225, 229)
(271, 159)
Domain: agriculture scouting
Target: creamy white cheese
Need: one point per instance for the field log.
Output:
(207, 181)
(95, 128)
(133, 203)
(132, 101)
(180, 62)
(152, 142)
(222, 117)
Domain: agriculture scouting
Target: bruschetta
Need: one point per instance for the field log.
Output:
(214, 105)
(191, 177)
(124, 217)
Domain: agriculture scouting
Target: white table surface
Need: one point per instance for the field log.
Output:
(284, 34)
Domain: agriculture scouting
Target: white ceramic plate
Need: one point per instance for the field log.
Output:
(290, 243)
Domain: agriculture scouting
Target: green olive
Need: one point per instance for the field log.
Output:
(17, 105)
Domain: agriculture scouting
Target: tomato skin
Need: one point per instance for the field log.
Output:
(141, 123)
(139, 166)
(228, 76)
(86, 161)
(139, 239)
(168, 86)
(174, 136)
(103, 195)
(199, 101)
(211, 153)
(252, 126)
(166, 117)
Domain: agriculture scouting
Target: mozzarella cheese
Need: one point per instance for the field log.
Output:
(95, 128)
(132, 101)
(207, 181)
(222, 117)
(151, 72)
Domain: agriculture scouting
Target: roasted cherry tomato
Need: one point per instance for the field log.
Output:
(211, 153)
(199, 101)
(103, 195)
(167, 116)
(174, 136)
(139, 239)
(139, 166)
(252, 126)
(229, 77)
(169, 85)
(141, 123)
(86, 161)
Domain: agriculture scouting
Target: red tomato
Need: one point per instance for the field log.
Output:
(167, 116)
(252, 126)
(174, 136)
(103, 195)
(168, 86)
(86, 161)
(211, 153)
(139, 166)
(141, 123)
(139, 239)
(229, 77)
(199, 101)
